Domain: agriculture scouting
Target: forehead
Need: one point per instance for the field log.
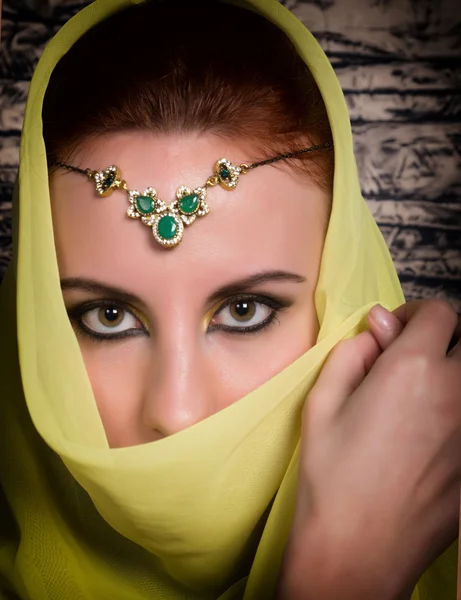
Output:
(273, 219)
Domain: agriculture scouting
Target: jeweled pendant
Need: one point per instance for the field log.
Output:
(224, 173)
(190, 204)
(145, 205)
(142, 205)
(168, 229)
(106, 180)
(227, 173)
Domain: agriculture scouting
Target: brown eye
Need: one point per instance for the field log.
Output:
(241, 314)
(243, 310)
(110, 316)
(109, 319)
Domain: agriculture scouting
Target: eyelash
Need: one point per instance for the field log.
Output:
(76, 313)
(276, 306)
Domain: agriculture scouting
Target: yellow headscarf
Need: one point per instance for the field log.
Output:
(188, 517)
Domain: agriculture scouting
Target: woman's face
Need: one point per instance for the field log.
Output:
(170, 337)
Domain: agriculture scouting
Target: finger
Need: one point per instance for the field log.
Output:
(344, 370)
(406, 311)
(455, 342)
(384, 325)
(429, 326)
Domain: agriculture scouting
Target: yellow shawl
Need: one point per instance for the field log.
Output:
(188, 517)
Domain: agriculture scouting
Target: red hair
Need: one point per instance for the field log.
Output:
(188, 66)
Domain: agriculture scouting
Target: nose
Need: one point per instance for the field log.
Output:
(180, 390)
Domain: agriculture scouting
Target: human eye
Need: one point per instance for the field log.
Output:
(246, 314)
(105, 320)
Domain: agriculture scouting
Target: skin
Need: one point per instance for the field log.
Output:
(180, 369)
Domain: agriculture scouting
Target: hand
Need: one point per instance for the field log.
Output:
(380, 463)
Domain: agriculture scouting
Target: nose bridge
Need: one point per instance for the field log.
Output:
(179, 392)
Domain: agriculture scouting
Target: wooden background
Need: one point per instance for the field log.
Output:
(399, 63)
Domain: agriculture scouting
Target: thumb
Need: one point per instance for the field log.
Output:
(345, 368)
(384, 325)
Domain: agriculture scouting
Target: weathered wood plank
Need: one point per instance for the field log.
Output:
(404, 161)
(9, 153)
(392, 106)
(22, 45)
(430, 254)
(405, 77)
(415, 288)
(443, 216)
(402, 92)
(404, 28)
(13, 96)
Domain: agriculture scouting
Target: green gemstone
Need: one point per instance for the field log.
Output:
(145, 205)
(189, 204)
(224, 173)
(167, 227)
(108, 181)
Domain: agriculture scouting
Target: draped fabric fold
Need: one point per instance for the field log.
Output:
(203, 514)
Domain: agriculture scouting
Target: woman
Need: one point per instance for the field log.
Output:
(208, 314)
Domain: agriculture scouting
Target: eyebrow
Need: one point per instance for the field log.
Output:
(235, 287)
(252, 281)
(96, 287)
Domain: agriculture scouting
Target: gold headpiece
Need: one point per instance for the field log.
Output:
(168, 220)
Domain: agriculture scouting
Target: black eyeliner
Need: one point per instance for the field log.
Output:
(251, 330)
(75, 314)
(271, 301)
(276, 304)
(87, 333)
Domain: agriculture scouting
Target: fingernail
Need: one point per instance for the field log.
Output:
(382, 316)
